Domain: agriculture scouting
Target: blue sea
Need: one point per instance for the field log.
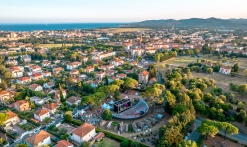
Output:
(64, 26)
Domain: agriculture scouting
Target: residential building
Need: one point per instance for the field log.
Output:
(49, 85)
(22, 105)
(36, 76)
(83, 133)
(37, 100)
(26, 58)
(64, 143)
(16, 71)
(143, 77)
(46, 74)
(4, 96)
(12, 119)
(39, 139)
(35, 87)
(52, 107)
(57, 70)
(73, 100)
(117, 62)
(121, 76)
(41, 114)
(225, 69)
(73, 65)
(89, 69)
(23, 80)
(100, 75)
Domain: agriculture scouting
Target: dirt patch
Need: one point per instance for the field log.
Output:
(218, 141)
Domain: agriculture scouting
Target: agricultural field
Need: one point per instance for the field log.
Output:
(118, 30)
(54, 45)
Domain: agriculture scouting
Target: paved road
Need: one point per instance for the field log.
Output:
(57, 121)
(241, 137)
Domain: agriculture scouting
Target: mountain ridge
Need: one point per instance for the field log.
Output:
(194, 22)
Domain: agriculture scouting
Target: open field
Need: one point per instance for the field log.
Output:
(118, 30)
(107, 142)
(54, 45)
(218, 141)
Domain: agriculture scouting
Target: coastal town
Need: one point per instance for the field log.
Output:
(125, 87)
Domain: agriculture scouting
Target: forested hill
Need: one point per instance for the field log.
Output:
(193, 22)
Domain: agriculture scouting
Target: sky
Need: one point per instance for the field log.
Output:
(83, 11)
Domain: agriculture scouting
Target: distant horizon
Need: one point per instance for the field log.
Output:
(25, 23)
(57, 11)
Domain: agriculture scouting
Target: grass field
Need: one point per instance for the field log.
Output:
(118, 30)
(54, 45)
(222, 80)
(107, 142)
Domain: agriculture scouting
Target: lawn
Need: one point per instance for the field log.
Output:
(118, 30)
(107, 142)
(54, 45)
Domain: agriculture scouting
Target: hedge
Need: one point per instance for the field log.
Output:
(10, 135)
(27, 118)
(200, 140)
(117, 137)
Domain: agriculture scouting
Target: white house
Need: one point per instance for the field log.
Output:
(225, 69)
(49, 85)
(36, 76)
(83, 133)
(73, 65)
(37, 100)
(117, 62)
(35, 87)
(46, 74)
(23, 80)
(39, 139)
(16, 71)
(73, 100)
(41, 114)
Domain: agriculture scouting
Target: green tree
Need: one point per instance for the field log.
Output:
(206, 129)
(228, 128)
(118, 82)
(130, 83)
(188, 143)
(245, 72)
(171, 99)
(235, 67)
(152, 71)
(3, 118)
(106, 80)
(62, 99)
(117, 95)
(134, 144)
(125, 143)
(1, 141)
(85, 144)
(68, 116)
(242, 89)
(107, 115)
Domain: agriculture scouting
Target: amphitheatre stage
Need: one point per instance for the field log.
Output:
(126, 109)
